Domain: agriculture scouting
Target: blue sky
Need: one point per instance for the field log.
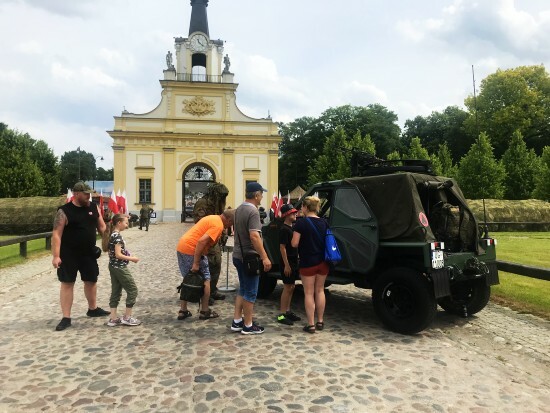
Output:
(68, 67)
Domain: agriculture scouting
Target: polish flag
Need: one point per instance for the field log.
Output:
(279, 205)
(274, 204)
(120, 202)
(112, 203)
(70, 195)
(124, 201)
(101, 202)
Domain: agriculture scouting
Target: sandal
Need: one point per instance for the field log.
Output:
(205, 315)
(183, 314)
(309, 329)
(319, 325)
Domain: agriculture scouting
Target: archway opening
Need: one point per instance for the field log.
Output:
(195, 182)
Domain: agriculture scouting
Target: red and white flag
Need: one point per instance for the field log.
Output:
(120, 202)
(112, 203)
(274, 204)
(101, 202)
(70, 195)
(279, 205)
(124, 202)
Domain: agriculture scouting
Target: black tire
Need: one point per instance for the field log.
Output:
(473, 294)
(266, 285)
(404, 301)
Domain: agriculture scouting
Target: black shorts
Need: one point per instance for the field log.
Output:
(85, 264)
(294, 275)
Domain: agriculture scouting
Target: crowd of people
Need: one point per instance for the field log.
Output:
(199, 250)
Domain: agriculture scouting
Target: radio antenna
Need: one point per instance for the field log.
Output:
(485, 226)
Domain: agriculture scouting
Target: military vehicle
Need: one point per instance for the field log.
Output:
(409, 236)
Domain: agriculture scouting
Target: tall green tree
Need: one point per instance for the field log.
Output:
(335, 161)
(448, 169)
(510, 100)
(521, 165)
(480, 175)
(439, 128)
(76, 166)
(303, 140)
(417, 151)
(48, 164)
(542, 180)
(19, 174)
(104, 174)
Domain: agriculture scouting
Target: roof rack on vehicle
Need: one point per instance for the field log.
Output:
(365, 164)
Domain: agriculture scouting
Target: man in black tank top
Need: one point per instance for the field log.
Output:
(73, 250)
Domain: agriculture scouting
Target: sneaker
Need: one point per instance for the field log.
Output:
(283, 319)
(253, 329)
(63, 324)
(130, 321)
(237, 326)
(114, 323)
(98, 312)
(291, 316)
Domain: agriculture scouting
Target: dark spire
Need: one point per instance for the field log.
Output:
(199, 19)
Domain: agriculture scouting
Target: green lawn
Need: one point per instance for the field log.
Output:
(523, 293)
(10, 255)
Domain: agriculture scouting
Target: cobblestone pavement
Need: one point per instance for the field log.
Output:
(497, 361)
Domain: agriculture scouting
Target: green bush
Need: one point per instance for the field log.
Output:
(30, 215)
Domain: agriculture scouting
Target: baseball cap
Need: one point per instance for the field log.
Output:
(254, 187)
(287, 209)
(82, 187)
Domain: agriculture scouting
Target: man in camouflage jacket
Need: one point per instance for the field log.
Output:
(213, 203)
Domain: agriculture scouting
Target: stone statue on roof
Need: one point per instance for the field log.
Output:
(169, 60)
(227, 63)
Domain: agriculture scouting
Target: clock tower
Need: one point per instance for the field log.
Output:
(198, 58)
(195, 136)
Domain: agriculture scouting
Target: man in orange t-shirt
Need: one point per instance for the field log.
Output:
(192, 249)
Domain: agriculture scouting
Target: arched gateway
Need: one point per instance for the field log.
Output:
(195, 181)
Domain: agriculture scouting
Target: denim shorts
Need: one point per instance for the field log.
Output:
(248, 286)
(185, 262)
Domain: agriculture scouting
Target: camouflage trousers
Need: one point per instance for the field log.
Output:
(144, 222)
(215, 266)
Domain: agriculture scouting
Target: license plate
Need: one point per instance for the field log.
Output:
(437, 259)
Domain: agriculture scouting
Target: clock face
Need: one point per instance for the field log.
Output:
(199, 43)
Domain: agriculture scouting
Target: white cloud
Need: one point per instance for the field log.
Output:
(68, 67)
(31, 47)
(11, 77)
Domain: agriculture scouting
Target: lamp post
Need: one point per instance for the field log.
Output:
(95, 170)
(78, 150)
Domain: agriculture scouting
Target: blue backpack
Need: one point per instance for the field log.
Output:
(332, 252)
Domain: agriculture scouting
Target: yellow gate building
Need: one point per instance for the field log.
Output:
(195, 135)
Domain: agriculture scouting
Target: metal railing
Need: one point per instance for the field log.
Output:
(191, 77)
(524, 270)
(22, 241)
(516, 226)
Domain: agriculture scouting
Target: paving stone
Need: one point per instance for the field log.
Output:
(499, 359)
